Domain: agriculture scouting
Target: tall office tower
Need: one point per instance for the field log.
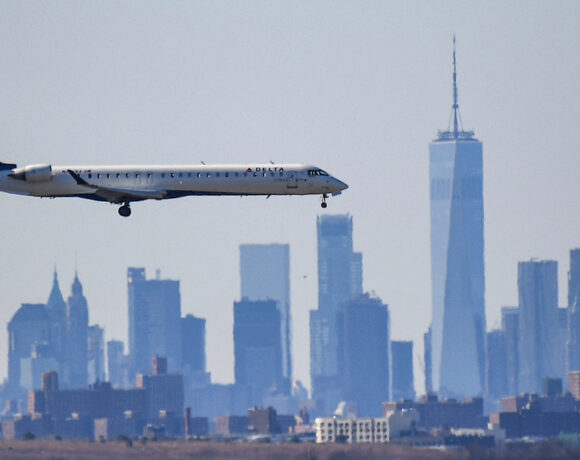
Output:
(365, 346)
(117, 364)
(538, 297)
(457, 270)
(496, 366)
(573, 339)
(257, 347)
(154, 321)
(193, 343)
(56, 307)
(339, 280)
(96, 353)
(265, 275)
(403, 386)
(427, 361)
(561, 346)
(30, 325)
(510, 326)
(76, 369)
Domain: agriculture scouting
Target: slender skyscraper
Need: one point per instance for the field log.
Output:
(365, 354)
(193, 344)
(403, 383)
(77, 337)
(257, 347)
(510, 326)
(96, 353)
(339, 280)
(573, 341)
(56, 307)
(496, 367)
(117, 364)
(457, 268)
(538, 296)
(265, 275)
(154, 321)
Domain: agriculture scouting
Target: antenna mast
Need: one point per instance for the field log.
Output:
(455, 104)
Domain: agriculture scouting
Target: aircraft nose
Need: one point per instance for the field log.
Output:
(340, 184)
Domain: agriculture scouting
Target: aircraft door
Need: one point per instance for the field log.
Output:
(292, 182)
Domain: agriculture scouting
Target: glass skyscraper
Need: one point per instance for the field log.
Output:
(339, 280)
(265, 275)
(538, 345)
(573, 336)
(154, 321)
(457, 267)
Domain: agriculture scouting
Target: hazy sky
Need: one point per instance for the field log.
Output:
(358, 88)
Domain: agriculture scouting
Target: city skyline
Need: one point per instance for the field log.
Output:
(358, 89)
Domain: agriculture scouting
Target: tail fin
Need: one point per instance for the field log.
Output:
(6, 166)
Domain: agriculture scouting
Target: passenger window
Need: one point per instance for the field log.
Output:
(90, 175)
(227, 174)
(107, 175)
(208, 174)
(245, 174)
(236, 174)
(136, 174)
(180, 174)
(217, 174)
(99, 176)
(263, 174)
(172, 174)
(281, 173)
(127, 175)
(162, 174)
(188, 174)
(118, 175)
(149, 175)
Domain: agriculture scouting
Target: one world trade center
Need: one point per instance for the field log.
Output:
(457, 266)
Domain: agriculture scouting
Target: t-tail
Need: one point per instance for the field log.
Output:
(7, 166)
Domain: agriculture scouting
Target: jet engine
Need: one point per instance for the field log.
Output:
(33, 173)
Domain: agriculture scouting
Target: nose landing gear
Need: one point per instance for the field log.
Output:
(323, 204)
(125, 210)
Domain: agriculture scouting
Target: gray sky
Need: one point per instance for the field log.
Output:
(358, 88)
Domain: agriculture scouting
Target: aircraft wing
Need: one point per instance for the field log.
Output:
(120, 195)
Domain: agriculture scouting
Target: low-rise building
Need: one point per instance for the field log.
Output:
(449, 413)
(231, 425)
(366, 430)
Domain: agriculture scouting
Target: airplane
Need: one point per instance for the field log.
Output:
(122, 185)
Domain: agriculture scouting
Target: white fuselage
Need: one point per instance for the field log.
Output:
(124, 184)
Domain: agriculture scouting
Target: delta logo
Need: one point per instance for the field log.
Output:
(274, 169)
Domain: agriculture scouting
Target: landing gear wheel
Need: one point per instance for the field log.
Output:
(323, 204)
(125, 210)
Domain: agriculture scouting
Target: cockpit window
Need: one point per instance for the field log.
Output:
(317, 172)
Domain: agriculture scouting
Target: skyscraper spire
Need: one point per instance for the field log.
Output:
(455, 103)
(455, 132)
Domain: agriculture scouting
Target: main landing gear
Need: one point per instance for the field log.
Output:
(125, 210)
(323, 204)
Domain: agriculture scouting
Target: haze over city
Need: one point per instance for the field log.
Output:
(358, 89)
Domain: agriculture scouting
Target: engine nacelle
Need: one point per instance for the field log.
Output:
(33, 173)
